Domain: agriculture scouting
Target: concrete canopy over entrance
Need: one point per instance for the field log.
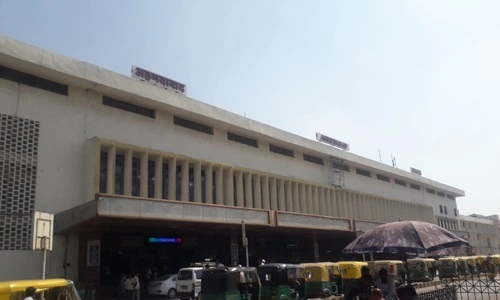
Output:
(115, 213)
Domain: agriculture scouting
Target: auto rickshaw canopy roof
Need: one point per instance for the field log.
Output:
(39, 284)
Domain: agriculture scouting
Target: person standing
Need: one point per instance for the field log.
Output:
(29, 294)
(387, 285)
(128, 287)
(136, 287)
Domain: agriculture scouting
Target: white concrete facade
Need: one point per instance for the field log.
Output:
(76, 129)
(483, 233)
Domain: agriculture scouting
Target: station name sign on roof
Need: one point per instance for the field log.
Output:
(158, 80)
(331, 141)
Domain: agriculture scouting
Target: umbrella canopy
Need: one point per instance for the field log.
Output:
(405, 237)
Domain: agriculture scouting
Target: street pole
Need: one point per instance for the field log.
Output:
(244, 240)
(44, 261)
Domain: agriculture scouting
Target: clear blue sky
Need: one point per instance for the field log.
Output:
(418, 79)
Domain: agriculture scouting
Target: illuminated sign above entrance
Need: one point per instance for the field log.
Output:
(164, 240)
(158, 80)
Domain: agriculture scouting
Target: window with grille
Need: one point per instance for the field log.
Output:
(242, 139)
(383, 178)
(18, 169)
(399, 182)
(363, 172)
(282, 151)
(415, 186)
(193, 125)
(313, 159)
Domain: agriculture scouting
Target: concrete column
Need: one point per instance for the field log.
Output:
(110, 176)
(303, 198)
(296, 196)
(185, 180)
(315, 196)
(288, 196)
(127, 185)
(248, 191)
(219, 185)
(158, 177)
(240, 195)
(172, 178)
(281, 195)
(229, 188)
(345, 205)
(322, 201)
(266, 203)
(335, 202)
(273, 193)
(328, 199)
(197, 182)
(257, 191)
(310, 208)
(209, 181)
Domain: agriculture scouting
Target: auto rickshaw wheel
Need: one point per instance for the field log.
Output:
(326, 293)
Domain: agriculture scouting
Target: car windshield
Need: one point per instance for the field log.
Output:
(164, 277)
(185, 275)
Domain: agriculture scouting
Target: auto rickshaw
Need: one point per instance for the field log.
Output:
(319, 281)
(420, 269)
(335, 276)
(350, 272)
(282, 281)
(472, 264)
(235, 283)
(46, 289)
(395, 269)
(463, 267)
(448, 267)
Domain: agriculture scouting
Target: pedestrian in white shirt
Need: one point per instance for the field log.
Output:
(387, 285)
(29, 294)
(128, 287)
(136, 287)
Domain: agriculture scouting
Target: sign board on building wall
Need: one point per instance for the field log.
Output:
(416, 171)
(158, 80)
(42, 231)
(331, 141)
(93, 253)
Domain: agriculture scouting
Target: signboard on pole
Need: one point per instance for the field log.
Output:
(158, 80)
(331, 141)
(42, 231)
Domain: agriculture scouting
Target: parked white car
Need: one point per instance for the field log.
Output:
(164, 286)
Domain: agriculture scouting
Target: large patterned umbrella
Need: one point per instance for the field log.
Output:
(405, 237)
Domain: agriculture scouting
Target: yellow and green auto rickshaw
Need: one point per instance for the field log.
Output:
(282, 281)
(420, 269)
(350, 272)
(230, 283)
(319, 281)
(463, 266)
(46, 289)
(448, 267)
(472, 264)
(395, 269)
(335, 276)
